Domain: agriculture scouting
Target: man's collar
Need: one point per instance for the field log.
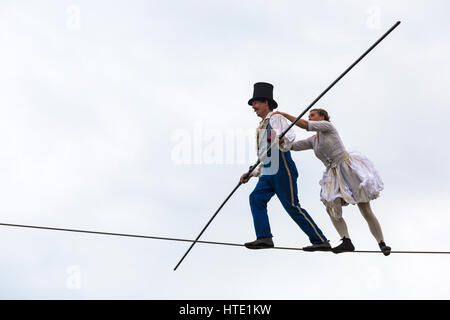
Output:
(267, 116)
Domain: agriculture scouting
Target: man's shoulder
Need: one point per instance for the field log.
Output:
(276, 117)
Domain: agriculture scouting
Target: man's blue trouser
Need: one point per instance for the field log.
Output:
(284, 184)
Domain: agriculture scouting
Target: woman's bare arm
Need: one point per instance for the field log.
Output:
(300, 123)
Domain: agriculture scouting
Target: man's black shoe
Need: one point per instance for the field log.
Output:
(261, 243)
(324, 246)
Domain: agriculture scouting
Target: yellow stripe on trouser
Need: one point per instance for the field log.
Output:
(292, 197)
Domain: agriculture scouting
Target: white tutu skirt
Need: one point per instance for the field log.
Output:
(353, 179)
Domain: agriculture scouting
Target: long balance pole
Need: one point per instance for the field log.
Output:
(288, 128)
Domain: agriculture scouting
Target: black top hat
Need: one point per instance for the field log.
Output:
(262, 91)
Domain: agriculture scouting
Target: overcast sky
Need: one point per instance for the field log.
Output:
(98, 98)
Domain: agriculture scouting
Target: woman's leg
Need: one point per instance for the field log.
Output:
(339, 223)
(371, 220)
(341, 227)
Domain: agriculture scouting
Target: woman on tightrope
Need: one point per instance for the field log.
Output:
(349, 177)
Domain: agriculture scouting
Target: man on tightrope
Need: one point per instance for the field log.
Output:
(277, 175)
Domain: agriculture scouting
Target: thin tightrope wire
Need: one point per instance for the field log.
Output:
(188, 240)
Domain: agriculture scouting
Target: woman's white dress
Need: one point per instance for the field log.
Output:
(349, 176)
